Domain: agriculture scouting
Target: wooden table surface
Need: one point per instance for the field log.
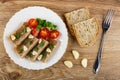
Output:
(110, 63)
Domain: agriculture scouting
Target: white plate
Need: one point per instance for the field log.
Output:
(24, 15)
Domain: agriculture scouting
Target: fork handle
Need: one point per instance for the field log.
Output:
(97, 62)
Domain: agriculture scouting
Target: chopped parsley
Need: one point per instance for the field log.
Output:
(30, 42)
(44, 54)
(42, 44)
(44, 23)
(38, 27)
(21, 50)
(17, 35)
(35, 49)
(24, 31)
(51, 46)
(30, 55)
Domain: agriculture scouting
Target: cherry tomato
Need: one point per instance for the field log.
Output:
(44, 33)
(35, 32)
(54, 34)
(33, 23)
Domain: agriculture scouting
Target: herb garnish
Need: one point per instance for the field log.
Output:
(42, 44)
(35, 49)
(17, 35)
(51, 46)
(30, 55)
(44, 23)
(21, 50)
(38, 27)
(44, 54)
(24, 31)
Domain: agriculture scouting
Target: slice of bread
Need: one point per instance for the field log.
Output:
(75, 17)
(86, 32)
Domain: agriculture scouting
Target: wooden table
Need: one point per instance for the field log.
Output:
(110, 63)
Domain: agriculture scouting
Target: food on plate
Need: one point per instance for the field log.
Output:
(84, 62)
(32, 23)
(41, 45)
(54, 34)
(75, 17)
(44, 33)
(46, 54)
(20, 34)
(35, 32)
(69, 64)
(26, 45)
(86, 32)
(43, 29)
(75, 54)
(36, 39)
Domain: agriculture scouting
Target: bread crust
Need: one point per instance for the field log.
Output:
(93, 40)
(67, 20)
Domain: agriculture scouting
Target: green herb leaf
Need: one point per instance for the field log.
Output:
(38, 20)
(30, 42)
(30, 55)
(48, 23)
(24, 31)
(53, 27)
(41, 22)
(42, 44)
(38, 27)
(17, 36)
(44, 23)
(44, 54)
(35, 49)
(21, 50)
(51, 46)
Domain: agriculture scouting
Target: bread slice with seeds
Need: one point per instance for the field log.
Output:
(86, 32)
(76, 16)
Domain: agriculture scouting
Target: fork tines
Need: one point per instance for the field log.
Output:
(108, 17)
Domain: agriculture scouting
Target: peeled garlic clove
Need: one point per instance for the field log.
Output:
(75, 54)
(84, 62)
(68, 64)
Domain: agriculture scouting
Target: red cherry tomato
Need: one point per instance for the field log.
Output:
(44, 33)
(54, 34)
(33, 23)
(35, 32)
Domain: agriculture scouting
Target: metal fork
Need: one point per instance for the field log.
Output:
(105, 26)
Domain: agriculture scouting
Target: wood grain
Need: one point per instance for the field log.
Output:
(110, 65)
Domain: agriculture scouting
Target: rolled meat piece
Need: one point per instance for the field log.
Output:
(36, 51)
(49, 50)
(21, 34)
(26, 46)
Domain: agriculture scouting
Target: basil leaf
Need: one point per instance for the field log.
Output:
(51, 46)
(42, 44)
(21, 50)
(17, 36)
